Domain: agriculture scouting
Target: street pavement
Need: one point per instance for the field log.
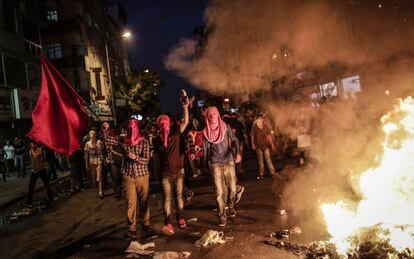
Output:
(83, 226)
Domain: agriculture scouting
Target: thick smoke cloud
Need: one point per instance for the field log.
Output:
(251, 43)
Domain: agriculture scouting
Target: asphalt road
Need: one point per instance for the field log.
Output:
(83, 226)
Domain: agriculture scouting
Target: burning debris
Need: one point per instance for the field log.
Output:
(285, 233)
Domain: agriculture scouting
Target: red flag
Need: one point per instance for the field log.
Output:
(59, 119)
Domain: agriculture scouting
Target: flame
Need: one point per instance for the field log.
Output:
(387, 190)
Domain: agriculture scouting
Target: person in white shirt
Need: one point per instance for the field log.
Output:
(9, 150)
(93, 159)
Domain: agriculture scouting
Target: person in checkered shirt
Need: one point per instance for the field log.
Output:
(135, 178)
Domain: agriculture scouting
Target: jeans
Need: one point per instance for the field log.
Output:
(195, 165)
(224, 176)
(136, 192)
(266, 152)
(33, 179)
(52, 169)
(9, 165)
(20, 166)
(173, 188)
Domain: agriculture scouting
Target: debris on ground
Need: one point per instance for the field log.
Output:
(140, 249)
(192, 220)
(285, 233)
(171, 255)
(211, 237)
(299, 250)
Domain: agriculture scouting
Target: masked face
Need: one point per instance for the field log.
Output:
(164, 124)
(105, 129)
(213, 117)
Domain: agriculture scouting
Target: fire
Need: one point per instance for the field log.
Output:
(386, 210)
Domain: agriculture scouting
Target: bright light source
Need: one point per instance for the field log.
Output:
(126, 34)
(387, 92)
(146, 71)
(226, 100)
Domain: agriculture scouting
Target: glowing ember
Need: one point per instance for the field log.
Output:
(386, 212)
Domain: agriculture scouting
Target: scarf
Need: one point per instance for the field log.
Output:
(163, 122)
(133, 133)
(216, 128)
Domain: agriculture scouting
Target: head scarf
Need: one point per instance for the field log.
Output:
(133, 133)
(105, 129)
(164, 124)
(215, 129)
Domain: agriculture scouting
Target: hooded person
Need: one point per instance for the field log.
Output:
(170, 149)
(135, 177)
(221, 151)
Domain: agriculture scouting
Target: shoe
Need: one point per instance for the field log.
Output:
(222, 223)
(101, 196)
(168, 230)
(239, 193)
(195, 175)
(260, 177)
(232, 212)
(182, 223)
(131, 234)
(147, 230)
(189, 195)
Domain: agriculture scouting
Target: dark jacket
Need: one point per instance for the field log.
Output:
(222, 152)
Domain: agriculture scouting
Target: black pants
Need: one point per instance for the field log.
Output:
(33, 179)
(117, 178)
(3, 170)
(52, 169)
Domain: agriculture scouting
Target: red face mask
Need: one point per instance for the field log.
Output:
(215, 129)
(133, 133)
(164, 125)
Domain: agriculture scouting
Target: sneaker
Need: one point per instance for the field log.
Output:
(189, 195)
(131, 234)
(222, 223)
(182, 223)
(232, 212)
(239, 193)
(168, 230)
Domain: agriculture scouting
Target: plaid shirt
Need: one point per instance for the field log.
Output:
(109, 141)
(139, 167)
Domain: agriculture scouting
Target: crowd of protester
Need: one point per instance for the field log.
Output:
(169, 150)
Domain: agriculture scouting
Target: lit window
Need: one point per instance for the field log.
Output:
(52, 15)
(54, 51)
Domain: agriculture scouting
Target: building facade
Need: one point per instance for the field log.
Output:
(20, 46)
(83, 39)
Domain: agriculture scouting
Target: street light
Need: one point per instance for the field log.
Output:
(125, 35)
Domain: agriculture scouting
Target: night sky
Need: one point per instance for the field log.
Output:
(157, 25)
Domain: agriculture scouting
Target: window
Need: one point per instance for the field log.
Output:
(52, 15)
(15, 72)
(54, 51)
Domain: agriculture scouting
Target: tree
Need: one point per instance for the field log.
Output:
(141, 91)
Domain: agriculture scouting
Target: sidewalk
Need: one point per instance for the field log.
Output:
(16, 188)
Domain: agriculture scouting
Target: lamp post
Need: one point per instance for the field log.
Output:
(126, 35)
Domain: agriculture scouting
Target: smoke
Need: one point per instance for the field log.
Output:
(250, 43)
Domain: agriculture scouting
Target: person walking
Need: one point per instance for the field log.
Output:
(10, 152)
(19, 162)
(135, 178)
(112, 158)
(170, 146)
(221, 151)
(38, 161)
(262, 142)
(93, 160)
